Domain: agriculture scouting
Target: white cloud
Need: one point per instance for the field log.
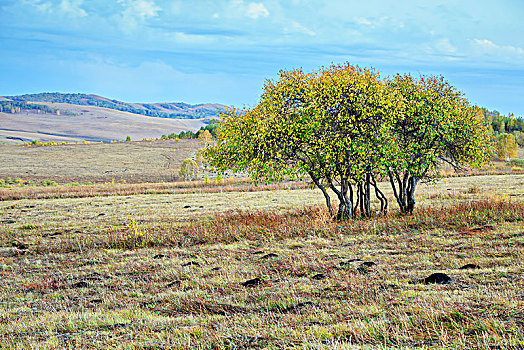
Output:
(299, 28)
(252, 10)
(363, 21)
(140, 9)
(444, 46)
(72, 8)
(190, 38)
(136, 11)
(256, 9)
(43, 6)
(489, 47)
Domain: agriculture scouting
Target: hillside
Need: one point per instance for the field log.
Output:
(162, 110)
(60, 122)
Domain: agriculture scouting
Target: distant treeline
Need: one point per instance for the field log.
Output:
(151, 110)
(19, 106)
(212, 127)
(505, 124)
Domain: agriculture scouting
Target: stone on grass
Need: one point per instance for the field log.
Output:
(270, 255)
(252, 282)
(318, 276)
(173, 284)
(81, 284)
(365, 266)
(469, 266)
(437, 278)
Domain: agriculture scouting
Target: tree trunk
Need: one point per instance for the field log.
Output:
(345, 205)
(402, 189)
(367, 205)
(317, 182)
(380, 195)
(411, 195)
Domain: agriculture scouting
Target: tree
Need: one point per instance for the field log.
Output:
(328, 125)
(506, 147)
(189, 170)
(346, 129)
(205, 137)
(437, 125)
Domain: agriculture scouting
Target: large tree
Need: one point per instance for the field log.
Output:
(331, 125)
(345, 128)
(437, 125)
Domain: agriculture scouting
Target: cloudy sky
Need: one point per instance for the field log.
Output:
(222, 51)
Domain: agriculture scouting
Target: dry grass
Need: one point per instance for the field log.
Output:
(166, 271)
(77, 123)
(131, 162)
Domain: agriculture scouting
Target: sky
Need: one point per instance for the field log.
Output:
(222, 51)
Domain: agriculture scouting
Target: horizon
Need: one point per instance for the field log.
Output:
(150, 51)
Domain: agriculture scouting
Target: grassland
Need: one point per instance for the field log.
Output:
(77, 123)
(144, 266)
(97, 163)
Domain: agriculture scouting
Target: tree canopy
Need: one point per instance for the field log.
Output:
(346, 128)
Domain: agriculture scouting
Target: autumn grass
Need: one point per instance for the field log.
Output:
(124, 189)
(132, 162)
(163, 271)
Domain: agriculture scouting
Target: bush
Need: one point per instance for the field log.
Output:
(189, 170)
(517, 162)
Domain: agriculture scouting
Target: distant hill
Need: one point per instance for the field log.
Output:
(176, 110)
(22, 121)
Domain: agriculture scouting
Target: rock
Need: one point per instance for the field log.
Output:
(347, 262)
(21, 246)
(160, 256)
(469, 266)
(437, 278)
(258, 252)
(191, 263)
(173, 284)
(81, 284)
(96, 301)
(187, 206)
(296, 307)
(270, 255)
(216, 269)
(365, 266)
(318, 276)
(252, 282)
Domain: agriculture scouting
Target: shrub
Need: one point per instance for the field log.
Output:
(189, 170)
(517, 162)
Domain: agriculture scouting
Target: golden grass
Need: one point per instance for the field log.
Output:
(166, 271)
(132, 162)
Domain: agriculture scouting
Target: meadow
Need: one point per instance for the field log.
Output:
(146, 264)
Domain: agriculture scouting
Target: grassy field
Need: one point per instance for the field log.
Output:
(262, 269)
(98, 163)
(135, 260)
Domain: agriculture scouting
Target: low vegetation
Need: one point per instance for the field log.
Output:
(264, 270)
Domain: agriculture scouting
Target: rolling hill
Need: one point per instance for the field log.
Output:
(176, 110)
(76, 117)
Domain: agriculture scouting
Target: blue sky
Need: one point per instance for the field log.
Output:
(222, 51)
